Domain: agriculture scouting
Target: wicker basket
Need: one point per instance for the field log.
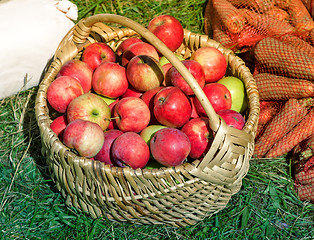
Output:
(176, 196)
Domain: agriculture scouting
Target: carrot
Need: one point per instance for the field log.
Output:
(291, 113)
(268, 109)
(249, 37)
(219, 35)
(283, 3)
(305, 192)
(230, 16)
(305, 177)
(298, 43)
(300, 16)
(300, 132)
(273, 87)
(257, 5)
(278, 13)
(266, 24)
(282, 59)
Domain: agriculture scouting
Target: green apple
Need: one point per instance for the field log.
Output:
(148, 132)
(108, 100)
(238, 93)
(163, 60)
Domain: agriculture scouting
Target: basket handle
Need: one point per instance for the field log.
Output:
(214, 120)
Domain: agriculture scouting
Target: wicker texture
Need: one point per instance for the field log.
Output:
(177, 196)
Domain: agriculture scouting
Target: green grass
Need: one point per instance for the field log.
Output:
(30, 207)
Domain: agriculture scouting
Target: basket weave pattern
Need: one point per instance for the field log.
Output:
(177, 196)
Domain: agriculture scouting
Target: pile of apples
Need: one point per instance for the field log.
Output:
(131, 107)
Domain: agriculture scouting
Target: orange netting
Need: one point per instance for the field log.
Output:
(276, 40)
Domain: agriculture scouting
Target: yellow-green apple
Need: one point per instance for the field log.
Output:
(177, 80)
(80, 71)
(148, 98)
(132, 92)
(110, 80)
(104, 155)
(172, 107)
(170, 147)
(97, 53)
(62, 91)
(200, 136)
(237, 91)
(213, 62)
(168, 29)
(218, 95)
(58, 125)
(139, 48)
(130, 149)
(144, 73)
(86, 137)
(125, 44)
(232, 118)
(108, 100)
(148, 132)
(163, 60)
(131, 114)
(91, 107)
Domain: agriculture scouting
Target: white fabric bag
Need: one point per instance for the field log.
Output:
(30, 33)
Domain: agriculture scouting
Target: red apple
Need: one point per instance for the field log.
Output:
(200, 136)
(177, 80)
(170, 147)
(125, 44)
(112, 123)
(110, 80)
(132, 92)
(168, 29)
(139, 48)
(78, 70)
(148, 98)
(213, 62)
(194, 112)
(144, 73)
(91, 107)
(62, 91)
(172, 107)
(97, 53)
(232, 118)
(131, 114)
(58, 125)
(129, 149)
(166, 69)
(218, 95)
(86, 137)
(104, 155)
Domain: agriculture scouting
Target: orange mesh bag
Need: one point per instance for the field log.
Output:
(245, 22)
(303, 169)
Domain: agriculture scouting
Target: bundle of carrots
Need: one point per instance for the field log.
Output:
(276, 40)
(241, 24)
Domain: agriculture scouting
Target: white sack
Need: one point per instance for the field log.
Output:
(30, 31)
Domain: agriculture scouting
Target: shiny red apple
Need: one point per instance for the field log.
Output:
(172, 107)
(168, 29)
(218, 95)
(200, 136)
(97, 53)
(170, 147)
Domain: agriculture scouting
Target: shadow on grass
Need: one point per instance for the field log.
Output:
(32, 136)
